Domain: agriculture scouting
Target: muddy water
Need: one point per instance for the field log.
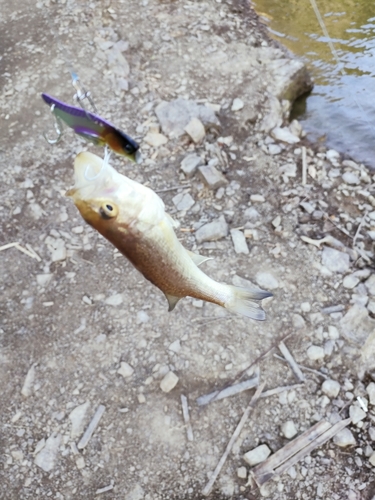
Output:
(341, 108)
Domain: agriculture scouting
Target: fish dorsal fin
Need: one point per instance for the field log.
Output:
(172, 301)
(198, 259)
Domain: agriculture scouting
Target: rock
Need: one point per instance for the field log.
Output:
(288, 78)
(298, 321)
(296, 128)
(284, 135)
(251, 213)
(43, 279)
(59, 253)
(169, 382)
(137, 493)
(273, 116)
(125, 370)
(242, 472)
(46, 458)
(142, 317)
(27, 387)
(315, 353)
(190, 164)
(155, 140)
(276, 221)
(334, 260)
(117, 63)
(370, 389)
(183, 201)
(114, 300)
(80, 462)
(370, 284)
(371, 433)
(195, 129)
(356, 413)
(77, 417)
(333, 332)
(175, 115)
(237, 104)
(344, 438)
(372, 459)
(212, 177)
(305, 307)
(274, 149)
(175, 346)
(350, 281)
(357, 324)
(212, 231)
(289, 429)
(350, 178)
(239, 241)
(257, 455)
(333, 156)
(257, 198)
(266, 281)
(331, 388)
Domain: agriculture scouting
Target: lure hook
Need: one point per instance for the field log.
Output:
(81, 93)
(58, 127)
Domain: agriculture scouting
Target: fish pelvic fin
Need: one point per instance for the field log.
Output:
(242, 302)
(172, 301)
(198, 259)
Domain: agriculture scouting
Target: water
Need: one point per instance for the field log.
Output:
(341, 108)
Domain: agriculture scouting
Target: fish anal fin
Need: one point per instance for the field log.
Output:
(172, 301)
(198, 259)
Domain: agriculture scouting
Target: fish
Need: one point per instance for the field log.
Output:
(93, 128)
(133, 218)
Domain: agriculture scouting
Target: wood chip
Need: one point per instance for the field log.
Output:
(91, 427)
(278, 390)
(207, 489)
(185, 413)
(228, 391)
(296, 450)
(290, 360)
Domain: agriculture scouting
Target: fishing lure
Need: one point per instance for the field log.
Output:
(92, 128)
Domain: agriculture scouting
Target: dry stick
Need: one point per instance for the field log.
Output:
(229, 391)
(173, 188)
(207, 489)
(91, 427)
(8, 245)
(290, 360)
(185, 413)
(277, 390)
(304, 166)
(359, 228)
(305, 368)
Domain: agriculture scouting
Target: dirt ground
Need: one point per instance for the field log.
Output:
(73, 311)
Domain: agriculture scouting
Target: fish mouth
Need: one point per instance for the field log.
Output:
(89, 172)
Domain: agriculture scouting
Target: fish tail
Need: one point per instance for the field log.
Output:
(242, 302)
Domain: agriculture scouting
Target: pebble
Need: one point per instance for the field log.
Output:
(370, 284)
(137, 493)
(289, 429)
(334, 260)
(251, 213)
(59, 254)
(212, 177)
(183, 201)
(333, 156)
(190, 164)
(371, 433)
(350, 281)
(195, 129)
(46, 458)
(80, 462)
(257, 198)
(283, 134)
(77, 417)
(331, 388)
(242, 472)
(212, 231)
(239, 241)
(155, 140)
(125, 370)
(266, 281)
(344, 438)
(175, 346)
(43, 279)
(257, 455)
(372, 459)
(305, 307)
(276, 221)
(27, 387)
(114, 300)
(370, 389)
(356, 413)
(298, 321)
(333, 332)
(274, 149)
(315, 353)
(350, 178)
(169, 382)
(237, 104)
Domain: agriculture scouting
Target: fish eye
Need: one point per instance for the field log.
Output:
(108, 210)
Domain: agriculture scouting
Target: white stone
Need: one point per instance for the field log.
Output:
(212, 231)
(242, 472)
(333, 332)
(27, 387)
(370, 389)
(137, 493)
(266, 281)
(350, 281)
(43, 279)
(155, 140)
(257, 455)
(77, 417)
(334, 260)
(125, 370)
(276, 221)
(183, 201)
(195, 129)
(344, 438)
(350, 178)
(46, 458)
(252, 213)
(142, 317)
(333, 156)
(315, 352)
(331, 388)
(169, 382)
(285, 135)
(274, 149)
(289, 429)
(298, 321)
(212, 177)
(372, 459)
(257, 198)
(80, 462)
(190, 164)
(370, 284)
(239, 241)
(114, 300)
(237, 104)
(357, 324)
(356, 414)
(305, 307)
(58, 254)
(175, 346)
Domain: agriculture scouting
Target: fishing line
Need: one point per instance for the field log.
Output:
(336, 57)
(103, 168)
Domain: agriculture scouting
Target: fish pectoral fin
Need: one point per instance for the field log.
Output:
(172, 301)
(198, 259)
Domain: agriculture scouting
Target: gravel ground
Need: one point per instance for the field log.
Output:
(84, 335)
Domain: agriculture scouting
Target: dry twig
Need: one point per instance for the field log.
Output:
(290, 360)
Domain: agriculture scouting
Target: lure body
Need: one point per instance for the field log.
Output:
(132, 217)
(93, 128)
